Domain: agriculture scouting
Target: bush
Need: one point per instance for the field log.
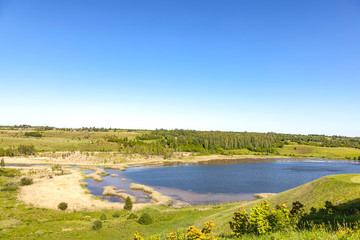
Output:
(8, 172)
(128, 204)
(33, 134)
(62, 206)
(132, 216)
(26, 181)
(263, 219)
(194, 233)
(2, 164)
(145, 219)
(103, 216)
(116, 214)
(9, 186)
(137, 236)
(97, 225)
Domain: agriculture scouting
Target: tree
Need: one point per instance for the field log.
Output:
(128, 204)
(62, 206)
(2, 164)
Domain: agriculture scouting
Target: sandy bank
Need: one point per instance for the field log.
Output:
(111, 191)
(155, 196)
(49, 192)
(83, 159)
(98, 174)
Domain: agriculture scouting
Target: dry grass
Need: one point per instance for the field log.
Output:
(48, 193)
(111, 191)
(97, 175)
(155, 196)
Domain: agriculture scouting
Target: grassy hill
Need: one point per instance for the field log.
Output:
(341, 190)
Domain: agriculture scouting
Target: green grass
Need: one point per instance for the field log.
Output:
(319, 152)
(56, 140)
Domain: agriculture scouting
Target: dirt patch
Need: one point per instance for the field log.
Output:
(263, 195)
(355, 179)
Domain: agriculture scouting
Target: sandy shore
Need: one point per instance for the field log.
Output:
(49, 192)
(118, 162)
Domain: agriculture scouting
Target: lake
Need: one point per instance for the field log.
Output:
(213, 182)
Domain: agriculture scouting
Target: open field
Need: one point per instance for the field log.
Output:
(95, 147)
(58, 140)
(319, 152)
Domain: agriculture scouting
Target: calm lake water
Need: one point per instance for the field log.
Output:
(212, 183)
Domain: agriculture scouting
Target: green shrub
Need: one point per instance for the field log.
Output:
(116, 214)
(9, 172)
(241, 222)
(138, 236)
(132, 216)
(2, 164)
(26, 181)
(97, 225)
(128, 204)
(262, 219)
(279, 218)
(62, 206)
(9, 186)
(194, 233)
(103, 216)
(259, 222)
(33, 134)
(145, 219)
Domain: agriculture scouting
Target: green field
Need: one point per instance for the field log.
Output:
(87, 141)
(58, 140)
(319, 152)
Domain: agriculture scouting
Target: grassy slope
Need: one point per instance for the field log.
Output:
(319, 152)
(56, 140)
(335, 188)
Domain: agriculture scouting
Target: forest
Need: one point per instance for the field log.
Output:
(165, 143)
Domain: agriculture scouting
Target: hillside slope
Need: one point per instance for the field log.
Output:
(335, 188)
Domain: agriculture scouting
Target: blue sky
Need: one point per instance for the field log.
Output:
(282, 66)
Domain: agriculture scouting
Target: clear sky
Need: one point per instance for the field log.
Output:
(282, 66)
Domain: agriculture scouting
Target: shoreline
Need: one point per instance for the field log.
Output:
(48, 192)
(81, 160)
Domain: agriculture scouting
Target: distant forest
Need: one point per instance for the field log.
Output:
(162, 142)
(166, 142)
